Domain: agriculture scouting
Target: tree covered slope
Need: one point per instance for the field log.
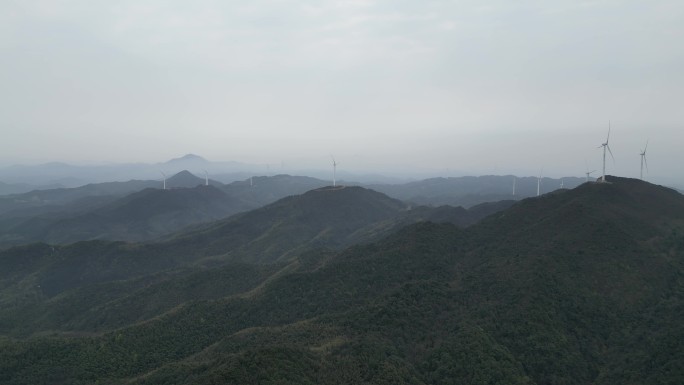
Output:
(577, 287)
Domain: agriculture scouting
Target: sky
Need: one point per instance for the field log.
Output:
(463, 87)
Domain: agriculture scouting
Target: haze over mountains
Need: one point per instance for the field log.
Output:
(24, 178)
(77, 175)
(374, 192)
(580, 286)
(288, 279)
(123, 211)
(108, 211)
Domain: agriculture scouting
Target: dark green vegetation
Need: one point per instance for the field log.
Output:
(135, 210)
(38, 279)
(262, 190)
(62, 196)
(577, 287)
(44, 208)
(139, 216)
(103, 211)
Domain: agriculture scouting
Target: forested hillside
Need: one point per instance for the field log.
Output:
(584, 286)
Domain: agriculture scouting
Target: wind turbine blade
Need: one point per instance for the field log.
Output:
(608, 137)
(646, 147)
(611, 153)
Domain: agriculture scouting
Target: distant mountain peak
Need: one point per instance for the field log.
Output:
(184, 179)
(183, 174)
(188, 158)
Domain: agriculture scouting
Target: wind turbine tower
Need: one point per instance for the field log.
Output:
(206, 178)
(606, 146)
(514, 181)
(643, 161)
(334, 171)
(164, 175)
(539, 182)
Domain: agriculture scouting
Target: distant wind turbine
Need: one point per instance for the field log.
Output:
(643, 161)
(606, 146)
(334, 171)
(539, 181)
(206, 178)
(589, 173)
(587, 168)
(164, 175)
(561, 183)
(514, 181)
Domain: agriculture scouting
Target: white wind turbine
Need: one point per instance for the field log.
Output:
(606, 146)
(206, 178)
(643, 161)
(539, 181)
(589, 173)
(164, 175)
(334, 171)
(514, 181)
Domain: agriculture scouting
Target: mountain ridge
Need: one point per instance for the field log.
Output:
(540, 293)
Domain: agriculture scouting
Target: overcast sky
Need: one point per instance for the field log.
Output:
(470, 87)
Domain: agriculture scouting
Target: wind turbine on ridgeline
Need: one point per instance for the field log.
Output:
(514, 181)
(206, 178)
(589, 173)
(539, 182)
(164, 175)
(606, 146)
(643, 161)
(334, 171)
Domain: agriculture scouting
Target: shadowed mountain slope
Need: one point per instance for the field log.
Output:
(139, 216)
(576, 287)
(62, 196)
(89, 211)
(328, 217)
(325, 217)
(185, 179)
(29, 217)
(262, 190)
(319, 218)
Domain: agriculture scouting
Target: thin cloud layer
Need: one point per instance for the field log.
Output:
(473, 86)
